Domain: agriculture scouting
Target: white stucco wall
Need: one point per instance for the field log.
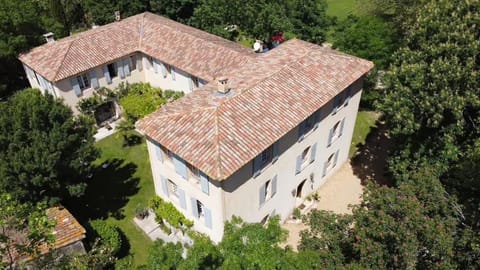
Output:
(239, 194)
(212, 201)
(241, 191)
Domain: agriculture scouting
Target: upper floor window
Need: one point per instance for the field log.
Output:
(341, 100)
(307, 125)
(112, 70)
(307, 156)
(268, 190)
(173, 189)
(83, 81)
(268, 156)
(336, 132)
(330, 163)
(133, 62)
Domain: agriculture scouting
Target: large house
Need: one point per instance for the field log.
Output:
(255, 134)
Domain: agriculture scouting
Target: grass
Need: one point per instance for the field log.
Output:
(342, 8)
(115, 191)
(366, 120)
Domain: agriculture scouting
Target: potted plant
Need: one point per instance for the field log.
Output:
(141, 212)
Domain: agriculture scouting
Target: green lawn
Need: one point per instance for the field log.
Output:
(365, 122)
(115, 191)
(342, 8)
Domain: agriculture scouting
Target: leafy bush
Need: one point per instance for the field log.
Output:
(167, 211)
(140, 99)
(108, 234)
(297, 213)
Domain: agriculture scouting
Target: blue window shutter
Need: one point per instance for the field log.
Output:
(120, 69)
(194, 207)
(126, 66)
(106, 74)
(180, 166)
(181, 196)
(190, 83)
(155, 65)
(341, 127)
(163, 69)
(316, 119)
(173, 73)
(274, 185)
(336, 100)
(275, 151)
(75, 86)
(208, 217)
(164, 185)
(301, 131)
(325, 166)
(257, 165)
(204, 183)
(94, 79)
(313, 152)
(349, 94)
(335, 159)
(139, 60)
(298, 168)
(158, 152)
(262, 195)
(330, 137)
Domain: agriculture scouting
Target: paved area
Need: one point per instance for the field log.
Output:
(341, 190)
(152, 229)
(104, 132)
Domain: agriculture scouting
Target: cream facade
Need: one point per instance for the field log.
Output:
(294, 166)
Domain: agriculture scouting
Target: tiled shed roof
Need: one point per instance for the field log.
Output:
(67, 231)
(271, 94)
(194, 51)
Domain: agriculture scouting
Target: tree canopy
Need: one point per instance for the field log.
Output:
(45, 152)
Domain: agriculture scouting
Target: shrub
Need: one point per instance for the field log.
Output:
(109, 235)
(167, 211)
(296, 213)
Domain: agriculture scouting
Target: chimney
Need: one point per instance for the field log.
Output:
(49, 37)
(117, 16)
(222, 84)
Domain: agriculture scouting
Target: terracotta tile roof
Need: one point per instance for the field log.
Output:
(197, 52)
(271, 94)
(67, 231)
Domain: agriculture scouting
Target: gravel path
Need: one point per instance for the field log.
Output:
(341, 190)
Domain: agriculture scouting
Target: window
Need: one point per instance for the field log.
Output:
(336, 132)
(168, 68)
(267, 155)
(133, 62)
(83, 81)
(268, 190)
(200, 209)
(195, 81)
(330, 163)
(307, 125)
(265, 219)
(112, 70)
(194, 174)
(173, 189)
(306, 156)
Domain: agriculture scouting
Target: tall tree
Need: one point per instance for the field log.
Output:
(309, 19)
(20, 30)
(433, 82)
(178, 10)
(23, 228)
(45, 152)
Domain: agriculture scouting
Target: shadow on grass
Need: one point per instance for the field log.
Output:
(370, 161)
(108, 191)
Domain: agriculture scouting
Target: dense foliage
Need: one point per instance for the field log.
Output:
(367, 37)
(244, 246)
(109, 235)
(433, 87)
(27, 219)
(45, 152)
(168, 212)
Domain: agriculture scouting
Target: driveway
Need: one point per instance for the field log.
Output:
(342, 189)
